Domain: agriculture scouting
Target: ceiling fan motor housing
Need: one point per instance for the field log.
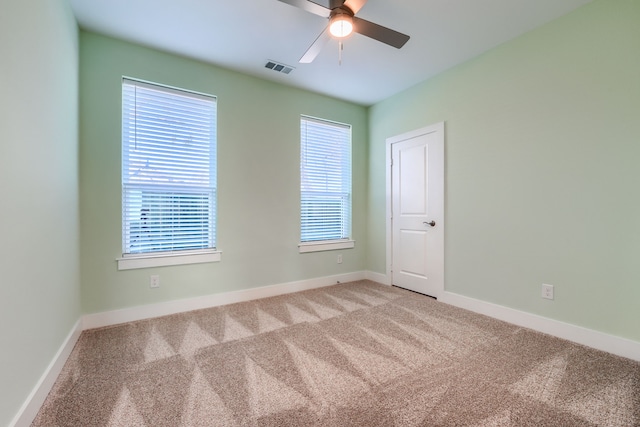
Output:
(334, 4)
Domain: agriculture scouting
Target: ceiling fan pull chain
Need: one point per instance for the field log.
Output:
(340, 48)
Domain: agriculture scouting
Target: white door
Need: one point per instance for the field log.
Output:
(417, 210)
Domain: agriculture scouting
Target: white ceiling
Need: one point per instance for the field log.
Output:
(243, 34)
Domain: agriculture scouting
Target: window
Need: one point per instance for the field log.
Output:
(325, 185)
(168, 174)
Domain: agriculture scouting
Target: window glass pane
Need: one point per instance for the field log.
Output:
(168, 169)
(325, 180)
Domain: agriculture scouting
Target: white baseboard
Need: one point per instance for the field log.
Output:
(377, 277)
(108, 318)
(36, 398)
(599, 340)
(588, 337)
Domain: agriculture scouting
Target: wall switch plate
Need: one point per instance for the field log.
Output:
(339, 259)
(547, 291)
(154, 281)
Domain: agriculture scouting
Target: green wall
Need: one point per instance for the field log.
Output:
(39, 255)
(258, 179)
(541, 177)
(542, 150)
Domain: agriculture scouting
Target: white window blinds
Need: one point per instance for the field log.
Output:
(325, 180)
(168, 169)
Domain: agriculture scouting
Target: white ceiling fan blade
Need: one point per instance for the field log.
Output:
(316, 47)
(309, 6)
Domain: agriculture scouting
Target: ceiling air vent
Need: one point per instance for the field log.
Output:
(276, 66)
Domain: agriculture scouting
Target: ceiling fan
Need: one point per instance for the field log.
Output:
(342, 22)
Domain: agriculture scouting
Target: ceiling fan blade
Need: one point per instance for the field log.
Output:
(355, 5)
(309, 6)
(316, 47)
(380, 33)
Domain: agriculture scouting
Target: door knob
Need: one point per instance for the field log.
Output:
(432, 223)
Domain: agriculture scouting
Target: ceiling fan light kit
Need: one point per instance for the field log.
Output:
(342, 22)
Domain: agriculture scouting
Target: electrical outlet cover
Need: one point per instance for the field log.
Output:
(154, 281)
(547, 291)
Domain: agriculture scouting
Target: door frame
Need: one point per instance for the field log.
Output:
(438, 128)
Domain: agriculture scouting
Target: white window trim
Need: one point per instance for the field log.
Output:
(160, 259)
(326, 245)
(345, 241)
(131, 262)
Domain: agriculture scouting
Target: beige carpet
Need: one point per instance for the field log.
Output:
(356, 354)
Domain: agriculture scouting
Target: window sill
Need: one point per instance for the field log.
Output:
(326, 245)
(163, 260)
